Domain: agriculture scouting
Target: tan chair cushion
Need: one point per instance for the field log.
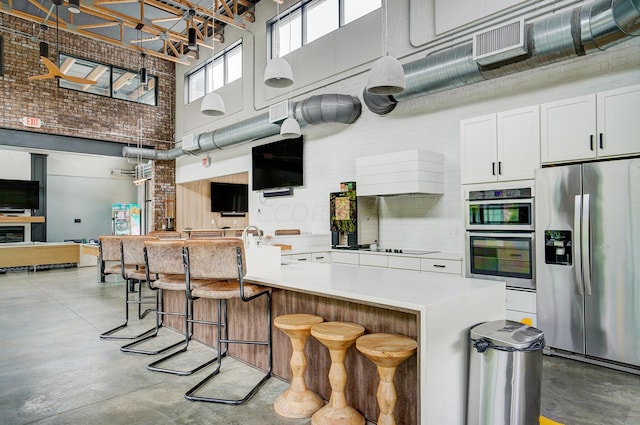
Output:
(215, 258)
(165, 256)
(224, 289)
(110, 248)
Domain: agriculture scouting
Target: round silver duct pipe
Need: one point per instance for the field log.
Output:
(560, 36)
(314, 110)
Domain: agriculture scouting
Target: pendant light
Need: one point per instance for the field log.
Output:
(212, 104)
(290, 127)
(278, 72)
(74, 6)
(386, 76)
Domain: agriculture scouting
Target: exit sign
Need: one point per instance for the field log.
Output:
(31, 122)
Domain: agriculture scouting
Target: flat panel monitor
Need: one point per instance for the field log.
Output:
(278, 164)
(19, 194)
(229, 197)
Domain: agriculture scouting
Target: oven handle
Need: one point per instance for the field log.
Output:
(511, 234)
(501, 201)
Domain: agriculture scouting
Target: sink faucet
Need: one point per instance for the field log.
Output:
(246, 230)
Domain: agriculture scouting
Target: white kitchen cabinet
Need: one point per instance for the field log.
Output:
(403, 263)
(501, 147)
(521, 305)
(374, 260)
(301, 257)
(600, 125)
(321, 257)
(432, 265)
(345, 257)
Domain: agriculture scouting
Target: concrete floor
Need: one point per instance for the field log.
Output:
(54, 369)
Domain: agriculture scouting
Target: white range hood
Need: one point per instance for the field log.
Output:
(414, 171)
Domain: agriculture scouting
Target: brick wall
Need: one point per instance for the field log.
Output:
(84, 115)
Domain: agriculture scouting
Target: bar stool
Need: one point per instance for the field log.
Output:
(297, 401)
(337, 337)
(387, 351)
(131, 268)
(109, 252)
(164, 258)
(217, 267)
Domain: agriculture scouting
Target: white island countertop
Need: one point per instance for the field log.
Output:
(447, 307)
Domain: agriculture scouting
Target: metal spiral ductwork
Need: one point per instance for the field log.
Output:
(576, 32)
(314, 110)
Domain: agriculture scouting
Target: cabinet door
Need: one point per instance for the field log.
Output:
(478, 149)
(344, 257)
(518, 143)
(301, 257)
(568, 129)
(618, 122)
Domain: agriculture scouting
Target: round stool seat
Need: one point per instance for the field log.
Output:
(297, 401)
(387, 351)
(297, 322)
(337, 337)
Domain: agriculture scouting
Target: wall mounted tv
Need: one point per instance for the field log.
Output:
(19, 195)
(277, 164)
(229, 198)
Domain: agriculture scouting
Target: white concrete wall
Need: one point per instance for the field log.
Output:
(429, 122)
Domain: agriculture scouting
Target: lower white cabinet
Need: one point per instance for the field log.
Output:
(441, 266)
(321, 257)
(404, 263)
(301, 257)
(374, 260)
(345, 257)
(521, 305)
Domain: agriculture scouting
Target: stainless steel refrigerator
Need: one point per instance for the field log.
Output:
(588, 259)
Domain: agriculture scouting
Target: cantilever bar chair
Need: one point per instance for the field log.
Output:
(215, 269)
(164, 258)
(131, 269)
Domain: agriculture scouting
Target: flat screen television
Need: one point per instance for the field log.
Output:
(19, 195)
(231, 198)
(277, 164)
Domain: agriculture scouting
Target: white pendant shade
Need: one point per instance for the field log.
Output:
(386, 77)
(212, 105)
(290, 128)
(278, 73)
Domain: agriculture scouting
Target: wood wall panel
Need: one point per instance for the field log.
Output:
(246, 320)
(193, 205)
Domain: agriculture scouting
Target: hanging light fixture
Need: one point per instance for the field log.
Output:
(143, 70)
(278, 72)
(290, 128)
(191, 33)
(212, 104)
(386, 76)
(74, 6)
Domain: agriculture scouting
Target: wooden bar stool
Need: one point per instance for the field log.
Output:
(337, 337)
(387, 351)
(297, 401)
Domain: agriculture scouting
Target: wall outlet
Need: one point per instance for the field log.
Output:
(77, 220)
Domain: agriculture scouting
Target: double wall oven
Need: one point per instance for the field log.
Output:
(500, 236)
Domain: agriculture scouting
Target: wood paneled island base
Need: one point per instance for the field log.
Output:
(436, 311)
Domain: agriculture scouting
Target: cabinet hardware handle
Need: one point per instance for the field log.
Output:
(591, 141)
(493, 168)
(499, 168)
(440, 266)
(319, 258)
(302, 259)
(601, 142)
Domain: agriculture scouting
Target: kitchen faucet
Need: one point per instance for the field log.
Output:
(245, 232)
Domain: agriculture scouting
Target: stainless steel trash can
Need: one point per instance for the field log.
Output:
(505, 374)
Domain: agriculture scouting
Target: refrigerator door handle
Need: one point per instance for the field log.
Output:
(577, 238)
(586, 244)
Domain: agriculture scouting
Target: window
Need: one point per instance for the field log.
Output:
(110, 81)
(225, 68)
(309, 20)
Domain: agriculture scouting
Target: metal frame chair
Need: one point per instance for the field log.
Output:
(164, 258)
(131, 270)
(219, 265)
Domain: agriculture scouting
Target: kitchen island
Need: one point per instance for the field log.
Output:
(437, 310)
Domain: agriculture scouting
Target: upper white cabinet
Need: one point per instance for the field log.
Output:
(599, 125)
(501, 147)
